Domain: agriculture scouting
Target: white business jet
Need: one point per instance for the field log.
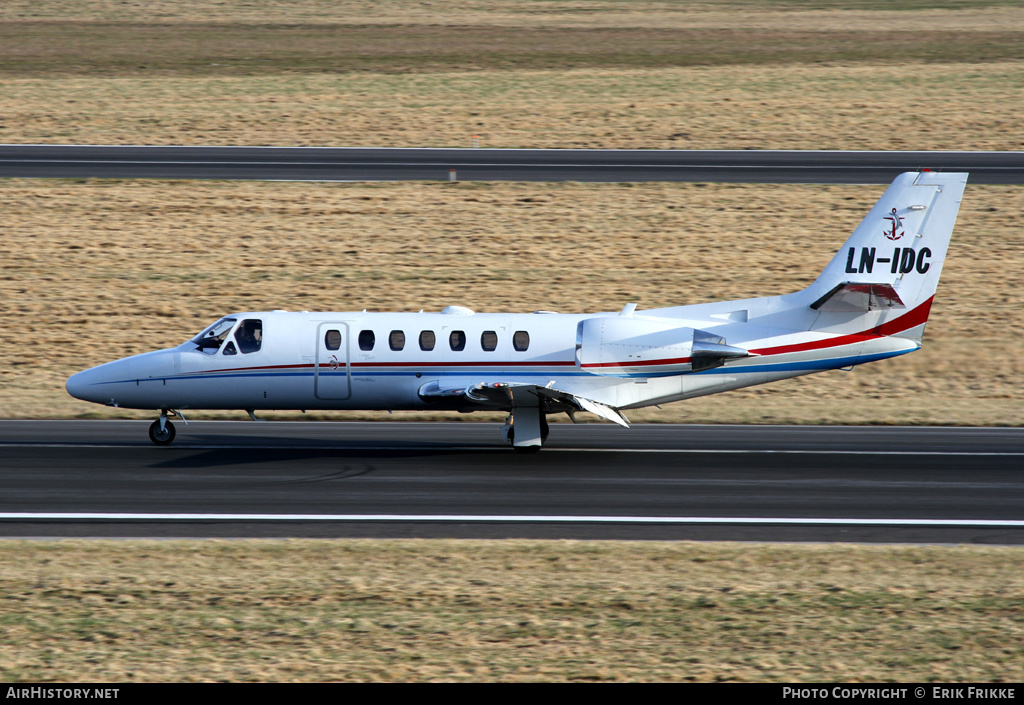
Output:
(870, 303)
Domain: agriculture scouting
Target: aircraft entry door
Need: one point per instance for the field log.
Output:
(332, 374)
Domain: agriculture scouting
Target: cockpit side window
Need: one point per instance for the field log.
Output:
(250, 335)
(210, 340)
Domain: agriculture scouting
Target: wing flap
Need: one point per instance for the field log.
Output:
(509, 395)
(602, 410)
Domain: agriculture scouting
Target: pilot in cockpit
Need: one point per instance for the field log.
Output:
(249, 336)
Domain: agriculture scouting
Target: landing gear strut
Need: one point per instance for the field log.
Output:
(161, 431)
(526, 429)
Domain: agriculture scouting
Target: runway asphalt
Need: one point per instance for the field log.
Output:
(592, 481)
(361, 164)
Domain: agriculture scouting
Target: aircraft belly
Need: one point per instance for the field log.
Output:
(385, 392)
(216, 391)
(223, 392)
(633, 393)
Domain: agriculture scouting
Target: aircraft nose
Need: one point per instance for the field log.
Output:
(82, 385)
(97, 384)
(75, 385)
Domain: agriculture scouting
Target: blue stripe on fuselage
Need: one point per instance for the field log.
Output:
(826, 364)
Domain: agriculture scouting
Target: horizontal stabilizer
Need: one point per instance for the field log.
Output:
(854, 297)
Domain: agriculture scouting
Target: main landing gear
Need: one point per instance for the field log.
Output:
(526, 429)
(161, 431)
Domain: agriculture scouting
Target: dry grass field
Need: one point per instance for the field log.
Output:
(574, 73)
(95, 270)
(107, 611)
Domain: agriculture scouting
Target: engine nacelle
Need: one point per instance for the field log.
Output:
(618, 345)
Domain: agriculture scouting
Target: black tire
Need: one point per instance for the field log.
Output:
(161, 439)
(544, 430)
(526, 449)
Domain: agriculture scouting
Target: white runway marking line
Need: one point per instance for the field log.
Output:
(706, 451)
(484, 518)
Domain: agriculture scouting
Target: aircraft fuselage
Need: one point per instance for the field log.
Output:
(366, 361)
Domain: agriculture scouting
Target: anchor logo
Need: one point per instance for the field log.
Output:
(896, 223)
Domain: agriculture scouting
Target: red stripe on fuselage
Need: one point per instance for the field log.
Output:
(909, 320)
(640, 363)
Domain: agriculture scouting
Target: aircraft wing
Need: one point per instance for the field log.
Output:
(507, 396)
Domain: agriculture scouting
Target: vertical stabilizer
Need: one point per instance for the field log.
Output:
(885, 276)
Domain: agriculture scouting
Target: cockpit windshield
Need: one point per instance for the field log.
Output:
(213, 337)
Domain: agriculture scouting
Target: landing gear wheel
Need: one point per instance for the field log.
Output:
(164, 437)
(544, 431)
(527, 431)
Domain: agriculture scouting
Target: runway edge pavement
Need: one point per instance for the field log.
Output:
(456, 480)
(474, 164)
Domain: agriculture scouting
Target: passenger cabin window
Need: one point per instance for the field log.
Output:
(489, 340)
(210, 340)
(427, 340)
(457, 340)
(521, 340)
(366, 339)
(249, 335)
(396, 340)
(332, 340)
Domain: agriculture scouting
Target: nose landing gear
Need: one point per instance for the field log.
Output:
(161, 431)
